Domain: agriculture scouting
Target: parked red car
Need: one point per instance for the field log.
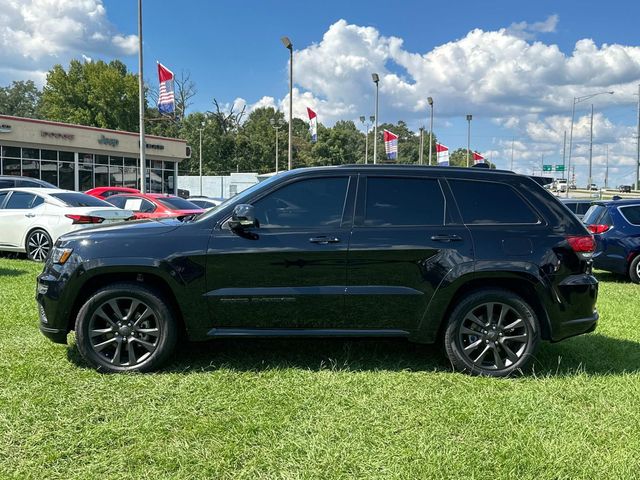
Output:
(105, 192)
(154, 205)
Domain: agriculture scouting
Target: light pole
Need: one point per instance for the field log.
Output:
(606, 171)
(376, 80)
(430, 100)
(276, 126)
(200, 155)
(590, 148)
(143, 143)
(469, 117)
(421, 145)
(577, 100)
(287, 43)
(366, 124)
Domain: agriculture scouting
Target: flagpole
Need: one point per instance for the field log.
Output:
(143, 187)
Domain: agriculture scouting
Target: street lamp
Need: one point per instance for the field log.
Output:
(363, 119)
(469, 117)
(200, 154)
(376, 80)
(573, 114)
(287, 43)
(277, 126)
(420, 153)
(430, 100)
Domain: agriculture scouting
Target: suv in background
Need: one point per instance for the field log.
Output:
(577, 206)
(11, 181)
(484, 261)
(616, 228)
(624, 188)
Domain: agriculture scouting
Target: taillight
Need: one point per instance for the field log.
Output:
(598, 228)
(84, 219)
(584, 245)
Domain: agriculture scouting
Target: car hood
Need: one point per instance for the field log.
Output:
(138, 228)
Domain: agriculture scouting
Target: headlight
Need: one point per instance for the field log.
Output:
(60, 255)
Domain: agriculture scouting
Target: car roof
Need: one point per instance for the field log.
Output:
(47, 191)
(577, 200)
(619, 203)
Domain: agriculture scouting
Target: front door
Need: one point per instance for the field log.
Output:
(405, 242)
(290, 272)
(16, 217)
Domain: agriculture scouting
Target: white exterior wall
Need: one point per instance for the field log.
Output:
(218, 186)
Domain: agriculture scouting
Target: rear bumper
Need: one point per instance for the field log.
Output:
(573, 311)
(571, 328)
(56, 335)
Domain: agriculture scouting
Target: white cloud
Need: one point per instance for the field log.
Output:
(35, 34)
(528, 31)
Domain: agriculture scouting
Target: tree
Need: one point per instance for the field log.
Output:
(99, 94)
(408, 143)
(21, 99)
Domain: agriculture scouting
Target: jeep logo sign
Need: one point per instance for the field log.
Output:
(4, 128)
(112, 142)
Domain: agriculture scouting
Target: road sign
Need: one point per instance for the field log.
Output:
(559, 168)
(547, 168)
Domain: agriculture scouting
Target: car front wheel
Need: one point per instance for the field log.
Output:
(125, 327)
(38, 245)
(493, 333)
(634, 270)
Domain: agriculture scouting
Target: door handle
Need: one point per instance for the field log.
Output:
(29, 215)
(324, 240)
(446, 238)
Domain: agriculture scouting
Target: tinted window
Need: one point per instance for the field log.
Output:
(135, 204)
(6, 183)
(37, 201)
(315, 202)
(177, 203)
(582, 208)
(3, 195)
(76, 199)
(19, 200)
(117, 201)
(490, 202)
(632, 214)
(403, 201)
(593, 214)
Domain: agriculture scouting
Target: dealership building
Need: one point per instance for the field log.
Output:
(76, 157)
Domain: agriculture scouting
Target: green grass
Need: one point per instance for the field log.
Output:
(318, 409)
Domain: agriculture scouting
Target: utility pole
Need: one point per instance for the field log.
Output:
(143, 143)
(512, 141)
(564, 153)
(606, 171)
(430, 101)
(638, 146)
(376, 79)
(420, 154)
(590, 150)
(469, 117)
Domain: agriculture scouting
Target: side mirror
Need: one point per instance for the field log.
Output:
(243, 217)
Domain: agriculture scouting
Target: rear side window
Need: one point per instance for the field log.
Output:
(76, 199)
(176, 203)
(491, 203)
(582, 208)
(19, 200)
(3, 196)
(403, 202)
(631, 214)
(117, 201)
(593, 215)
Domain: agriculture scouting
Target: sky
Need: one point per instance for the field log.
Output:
(515, 66)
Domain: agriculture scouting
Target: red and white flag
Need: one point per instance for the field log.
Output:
(391, 145)
(313, 124)
(442, 154)
(166, 100)
(477, 158)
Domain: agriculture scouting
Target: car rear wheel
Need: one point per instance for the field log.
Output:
(634, 270)
(493, 333)
(125, 327)
(38, 245)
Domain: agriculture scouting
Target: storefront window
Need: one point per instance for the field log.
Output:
(49, 172)
(102, 159)
(115, 176)
(49, 154)
(11, 166)
(67, 177)
(130, 177)
(168, 181)
(31, 153)
(31, 168)
(67, 156)
(131, 162)
(13, 152)
(101, 175)
(156, 181)
(85, 173)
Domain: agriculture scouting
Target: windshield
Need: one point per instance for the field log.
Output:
(77, 199)
(177, 203)
(241, 196)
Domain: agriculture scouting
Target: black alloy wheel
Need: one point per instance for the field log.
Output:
(125, 327)
(492, 333)
(38, 245)
(634, 269)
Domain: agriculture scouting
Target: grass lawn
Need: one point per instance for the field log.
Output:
(318, 409)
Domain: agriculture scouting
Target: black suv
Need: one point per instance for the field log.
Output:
(486, 261)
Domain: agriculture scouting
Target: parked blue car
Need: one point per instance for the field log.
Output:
(616, 228)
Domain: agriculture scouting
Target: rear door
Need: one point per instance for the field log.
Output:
(405, 241)
(16, 216)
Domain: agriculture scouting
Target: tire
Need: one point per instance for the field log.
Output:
(496, 344)
(113, 341)
(38, 245)
(634, 269)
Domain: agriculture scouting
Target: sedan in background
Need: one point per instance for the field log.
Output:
(155, 205)
(206, 202)
(11, 181)
(616, 228)
(32, 219)
(105, 192)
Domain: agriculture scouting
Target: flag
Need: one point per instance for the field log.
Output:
(391, 145)
(442, 154)
(313, 125)
(477, 158)
(166, 100)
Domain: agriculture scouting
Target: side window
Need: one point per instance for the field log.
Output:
(6, 183)
(403, 201)
(117, 201)
(490, 203)
(19, 201)
(37, 201)
(147, 207)
(631, 214)
(316, 202)
(3, 196)
(582, 208)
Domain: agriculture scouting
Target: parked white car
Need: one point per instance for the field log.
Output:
(32, 219)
